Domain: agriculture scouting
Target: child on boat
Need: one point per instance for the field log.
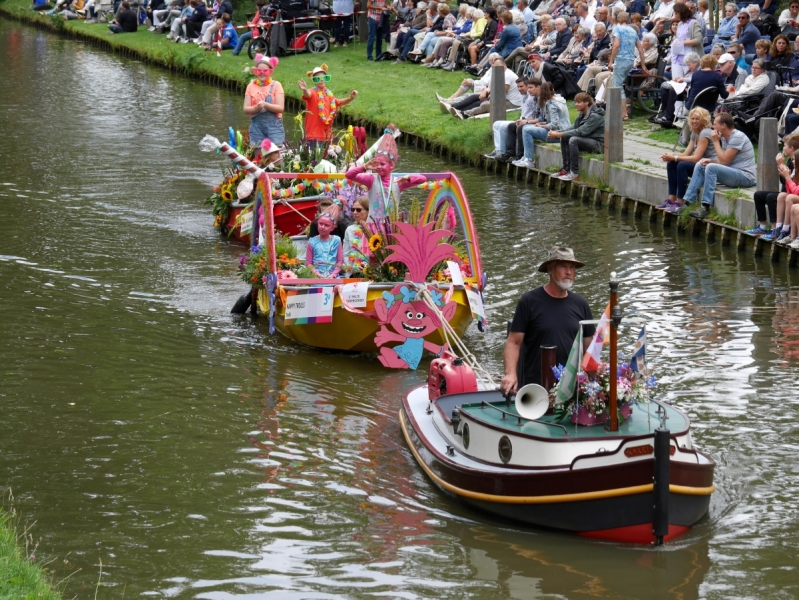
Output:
(324, 254)
(264, 103)
(384, 191)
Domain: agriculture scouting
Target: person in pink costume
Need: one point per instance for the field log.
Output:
(384, 190)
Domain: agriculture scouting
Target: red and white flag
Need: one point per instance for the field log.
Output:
(591, 359)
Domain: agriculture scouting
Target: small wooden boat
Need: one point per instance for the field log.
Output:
(350, 328)
(292, 216)
(599, 482)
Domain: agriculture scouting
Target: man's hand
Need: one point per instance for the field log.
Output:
(509, 384)
(705, 162)
(715, 136)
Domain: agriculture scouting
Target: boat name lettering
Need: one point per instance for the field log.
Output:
(293, 305)
(644, 450)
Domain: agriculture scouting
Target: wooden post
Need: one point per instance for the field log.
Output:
(497, 98)
(613, 425)
(614, 129)
(363, 25)
(768, 145)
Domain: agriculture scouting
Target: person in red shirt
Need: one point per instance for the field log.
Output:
(321, 107)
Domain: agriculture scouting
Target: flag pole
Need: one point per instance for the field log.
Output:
(614, 415)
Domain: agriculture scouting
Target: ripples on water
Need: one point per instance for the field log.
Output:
(199, 457)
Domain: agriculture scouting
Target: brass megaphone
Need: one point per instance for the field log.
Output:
(532, 401)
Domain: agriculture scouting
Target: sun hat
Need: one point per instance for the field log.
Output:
(268, 147)
(321, 69)
(725, 58)
(557, 253)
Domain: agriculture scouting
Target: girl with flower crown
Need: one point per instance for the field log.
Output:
(264, 103)
(384, 190)
(321, 107)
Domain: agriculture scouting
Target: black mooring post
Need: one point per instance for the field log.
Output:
(660, 512)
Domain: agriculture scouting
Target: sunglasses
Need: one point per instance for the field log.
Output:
(259, 72)
(733, 52)
(320, 78)
(358, 210)
(743, 17)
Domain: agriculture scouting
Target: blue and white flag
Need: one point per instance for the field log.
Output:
(638, 360)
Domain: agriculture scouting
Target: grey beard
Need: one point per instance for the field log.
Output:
(564, 285)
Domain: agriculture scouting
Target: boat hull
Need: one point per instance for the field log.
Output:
(354, 332)
(612, 501)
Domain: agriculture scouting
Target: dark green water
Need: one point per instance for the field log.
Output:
(197, 457)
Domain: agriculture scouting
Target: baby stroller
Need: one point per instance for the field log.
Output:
(289, 25)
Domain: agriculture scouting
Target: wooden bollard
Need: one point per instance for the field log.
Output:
(614, 130)
(597, 197)
(710, 231)
(725, 236)
(638, 207)
(767, 147)
(497, 97)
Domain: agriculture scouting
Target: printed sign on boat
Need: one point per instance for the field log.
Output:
(354, 294)
(306, 307)
(246, 222)
(476, 304)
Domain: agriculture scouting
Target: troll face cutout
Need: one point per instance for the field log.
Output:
(404, 316)
(411, 320)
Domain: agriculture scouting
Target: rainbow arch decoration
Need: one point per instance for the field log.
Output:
(447, 189)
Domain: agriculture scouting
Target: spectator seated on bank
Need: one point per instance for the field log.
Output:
(746, 33)
(486, 39)
(126, 20)
(774, 201)
(226, 37)
(726, 28)
(680, 167)
(572, 56)
(754, 84)
(734, 166)
(791, 205)
(176, 27)
(553, 73)
(40, 5)
(505, 132)
(673, 91)
(765, 23)
(195, 22)
(586, 135)
(586, 73)
(439, 57)
(479, 103)
(554, 117)
(430, 41)
(562, 40)
(789, 20)
(510, 38)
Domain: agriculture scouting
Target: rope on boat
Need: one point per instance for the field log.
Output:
(285, 202)
(451, 337)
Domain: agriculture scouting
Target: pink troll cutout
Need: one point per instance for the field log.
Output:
(411, 320)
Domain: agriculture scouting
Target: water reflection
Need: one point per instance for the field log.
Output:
(200, 457)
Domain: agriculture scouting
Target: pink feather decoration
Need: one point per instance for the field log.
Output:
(418, 248)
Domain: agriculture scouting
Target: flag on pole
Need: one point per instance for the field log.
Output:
(639, 353)
(591, 359)
(568, 380)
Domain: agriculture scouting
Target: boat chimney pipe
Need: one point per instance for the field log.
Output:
(548, 358)
(660, 510)
(613, 326)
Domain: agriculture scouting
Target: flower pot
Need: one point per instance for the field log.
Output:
(583, 417)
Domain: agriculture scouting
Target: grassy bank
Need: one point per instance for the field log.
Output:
(403, 94)
(19, 577)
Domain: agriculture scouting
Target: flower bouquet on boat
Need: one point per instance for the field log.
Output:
(588, 452)
(394, 283)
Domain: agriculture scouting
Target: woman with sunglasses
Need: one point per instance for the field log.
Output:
(321, 107)
(264, 103)
(356, 240)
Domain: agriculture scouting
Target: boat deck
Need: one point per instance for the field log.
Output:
(491, 409)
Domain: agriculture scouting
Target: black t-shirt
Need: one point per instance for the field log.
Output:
(340, 230)
(548, 321)
(128, 21)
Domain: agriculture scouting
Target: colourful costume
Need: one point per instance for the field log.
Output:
(265, 124)
(324, 256)
(383, 195)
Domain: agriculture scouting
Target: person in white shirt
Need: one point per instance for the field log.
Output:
(586, 20)
(664, 11)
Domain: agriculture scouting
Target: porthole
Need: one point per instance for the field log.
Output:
(465, 434)
(505, 449)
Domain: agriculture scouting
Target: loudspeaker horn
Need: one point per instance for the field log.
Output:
(532, 401)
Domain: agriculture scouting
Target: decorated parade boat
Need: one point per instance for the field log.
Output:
(411, 264)
(627, 471)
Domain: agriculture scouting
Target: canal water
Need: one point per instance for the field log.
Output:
(166, 448)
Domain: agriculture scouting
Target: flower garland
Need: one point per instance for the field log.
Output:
(317, 185)
(436, 184)
(326, 117)
(263, 83)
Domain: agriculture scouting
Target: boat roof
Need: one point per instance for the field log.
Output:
(490, 408)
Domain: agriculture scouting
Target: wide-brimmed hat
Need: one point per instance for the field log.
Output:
(560, 253)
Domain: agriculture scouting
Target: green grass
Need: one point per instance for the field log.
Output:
(19, 577)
